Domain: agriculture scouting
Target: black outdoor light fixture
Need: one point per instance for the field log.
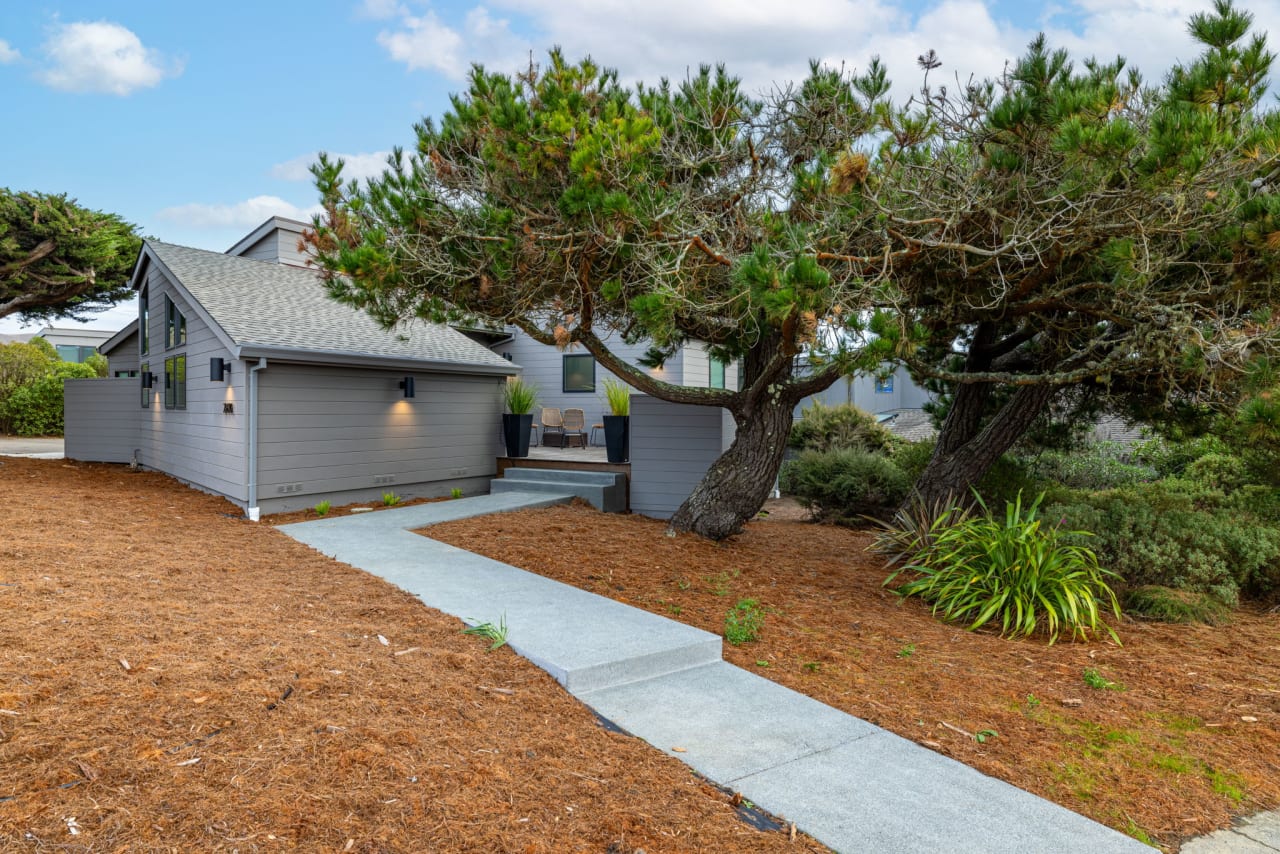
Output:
(148, 379)
(219, 369)
(407, 385)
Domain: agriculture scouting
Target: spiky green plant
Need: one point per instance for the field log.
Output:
(519, 396)
(1011, 571)
(618, 396)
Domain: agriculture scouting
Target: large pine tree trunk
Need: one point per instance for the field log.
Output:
(737, 484)
(966, 448)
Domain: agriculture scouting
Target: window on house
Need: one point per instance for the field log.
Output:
(175, 382)
(175, 325)
(144, 319)
(146, 392)
(125, 374)
(717, 373)
(579, 373)
(884, 385)
(74, 353)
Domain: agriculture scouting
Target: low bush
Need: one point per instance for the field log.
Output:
(35, 409)
(1010, 571)
(1170, 458)
(844, 486)
(836, 428)
(1175, 606)
(1101, 465)
(1179, 534)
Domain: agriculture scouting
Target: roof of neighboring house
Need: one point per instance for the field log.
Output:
(16, 337)
(269, 309)
(292, 226)
(119, 338)
(914, 425)
(74, 335)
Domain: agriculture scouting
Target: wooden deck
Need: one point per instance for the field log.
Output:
(568, 459)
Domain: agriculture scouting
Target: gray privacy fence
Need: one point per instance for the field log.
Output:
(672, 446)
(102, 419)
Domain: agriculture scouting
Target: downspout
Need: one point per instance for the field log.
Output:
(252, 510)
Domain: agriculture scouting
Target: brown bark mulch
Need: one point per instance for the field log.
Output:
(173, 677)
(1182, 733)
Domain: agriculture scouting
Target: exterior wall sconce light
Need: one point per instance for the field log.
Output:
(219, 369)
(148, 379)
(407, 385)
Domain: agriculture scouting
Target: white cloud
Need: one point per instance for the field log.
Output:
(358, 166)
(101, 56)
(770, 41)
(8, 54)
(246, 214)
(380, 10)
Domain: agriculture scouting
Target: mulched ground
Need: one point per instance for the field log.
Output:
(1186, 735)
(175, 678)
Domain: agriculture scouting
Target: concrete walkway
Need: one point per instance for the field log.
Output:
(40, 448)
(851, 785)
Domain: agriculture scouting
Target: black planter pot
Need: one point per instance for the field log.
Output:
(617, 438)
(515, 433)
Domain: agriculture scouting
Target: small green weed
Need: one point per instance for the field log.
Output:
(1033, 702)
(907, 651)
(812, 666)
(497, 634)
(456, 492)
(1098, 682)
(743, 622)
(322, 508)
(762, 663)
(1138, 833)
(683, 583)
(674, 609)
(390, 499)
(982, 735)
(720, 582)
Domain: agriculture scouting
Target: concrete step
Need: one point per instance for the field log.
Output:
(606, 491)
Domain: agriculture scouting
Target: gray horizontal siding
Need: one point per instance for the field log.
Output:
(332, 431)
(201, 445)
(124, 357)
(101, 419)
(672, 446)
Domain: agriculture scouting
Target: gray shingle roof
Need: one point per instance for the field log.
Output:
(268, 305)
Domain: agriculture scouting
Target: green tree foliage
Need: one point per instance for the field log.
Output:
(585, 212)
(22, 363)
(1070, 231)
(58, 259)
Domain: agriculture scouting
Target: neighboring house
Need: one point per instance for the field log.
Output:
(875, 394)
(571, 379)
(16, 337)
(73, 343)
(254, 385)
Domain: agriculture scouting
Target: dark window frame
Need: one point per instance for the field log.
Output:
(175, 381)
(564, 374)
(144, 321)
(175, 325)
(146, 392)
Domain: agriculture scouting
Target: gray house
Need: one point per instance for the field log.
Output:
(254, 385)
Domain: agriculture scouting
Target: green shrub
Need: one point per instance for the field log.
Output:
(912, 457)
(844, 486)
(1218, 471)
(99, 363)
(1170, 458)
(617, 396)
(1002, 482)
(1176, 533)
(322, 508)
(35, 409)
(519, 396)
(1013, 571)
(1100, 465)
(1175, 606)
(837, 428)
(743, 622)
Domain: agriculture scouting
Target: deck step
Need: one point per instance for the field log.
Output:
(606, 491)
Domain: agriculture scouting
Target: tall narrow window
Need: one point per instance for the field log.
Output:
(146, 391)
(175, 382)
(175, 325)
(579, 373)
(717, 373)
(144, 323)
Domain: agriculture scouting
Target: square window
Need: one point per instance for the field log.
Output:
(884, 385)
(579, 373)
(717, 373)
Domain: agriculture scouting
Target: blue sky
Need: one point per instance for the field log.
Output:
(196, 121)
